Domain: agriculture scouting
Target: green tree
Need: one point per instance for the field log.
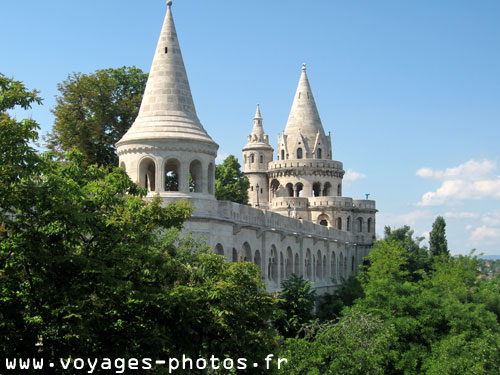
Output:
(355, 345)
(295, 305)
(331, 305)
(90, 269)
(94, 111)
(438, 243)
(230, 182)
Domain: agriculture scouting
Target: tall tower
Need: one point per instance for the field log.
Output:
(167, 150)
(257, 154)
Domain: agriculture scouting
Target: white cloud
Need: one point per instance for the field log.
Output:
(471, 169)
(492, 219)
(484, 233)
(398, 220)
(470, 180)
(461, 215)
(351, 175)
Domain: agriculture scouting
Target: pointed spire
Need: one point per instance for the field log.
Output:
(257, 139)
(304, 115)
(167, 108)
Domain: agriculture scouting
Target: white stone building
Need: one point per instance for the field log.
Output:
(299, 223)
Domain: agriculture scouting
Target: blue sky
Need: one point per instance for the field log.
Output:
(410, 90)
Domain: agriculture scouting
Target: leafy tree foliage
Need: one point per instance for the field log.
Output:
(94, 111)
(331, 305)
(90, 269)
(418, 259)
(438, 243)
(295, 305)
(355, 345)
(230, 182)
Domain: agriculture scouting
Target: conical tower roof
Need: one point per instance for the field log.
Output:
(304, 116)
(167, 108)
(257, 139)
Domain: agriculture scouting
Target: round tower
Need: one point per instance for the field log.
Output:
(257, 154)
(167, 150)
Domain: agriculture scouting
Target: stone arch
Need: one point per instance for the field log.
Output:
(308, 265)
(147, 174)
(319, 267)
(234, 255)
(359, 223)
(324, 271)
(339, 190)
(348, 226)
(299, 153)
(352, 264)
(219, 250)
(196, 178)
(172, 174)
(289, 189)
(257, 259)
(369, 225)
(273, 264)
(296, 265)
(211, 178)
(341, 265)
(298, 189)
(333, 266)
(289, 262)
(324, 219)
(318, 154)
(122, 165)
(345, 266)
(316, 189)
(275, 185)
(327, 187)
(282, 266)
(339, 223)
(247, 252)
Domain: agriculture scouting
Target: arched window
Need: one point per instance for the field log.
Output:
(319, 276)
(147, 174)
(308, 264)
(252, 158)
(195, 178)
(298, 189)
(339, 223)
(289, 189)
(299, 153)
(247, 252)
(282, 154)
(273, 274)
(282, 266)
(359, 221)
(235, 255)
(316, 189)
(256, 259)
(319, 153)
(333, 267)
(172, 167)
(274, 187)
(324, 268)
(289, 263)
(296, 266)
(323, 219)
(261, 159)
(326, 189)
(211, 178)
(219, 250)
(352, 264)
(341, 265)
(348, 224)
(339, 190)
(122, 165)
(369, 225)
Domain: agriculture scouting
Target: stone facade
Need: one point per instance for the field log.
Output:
(298, 221)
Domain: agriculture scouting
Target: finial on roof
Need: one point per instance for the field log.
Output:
(304, 67)
(169, 3)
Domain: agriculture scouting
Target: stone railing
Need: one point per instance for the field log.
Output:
(305, 163)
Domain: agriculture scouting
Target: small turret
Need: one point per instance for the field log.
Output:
(257, 154)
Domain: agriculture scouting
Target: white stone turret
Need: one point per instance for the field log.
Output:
(304, 137)
(257, 154)
(167, 150)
